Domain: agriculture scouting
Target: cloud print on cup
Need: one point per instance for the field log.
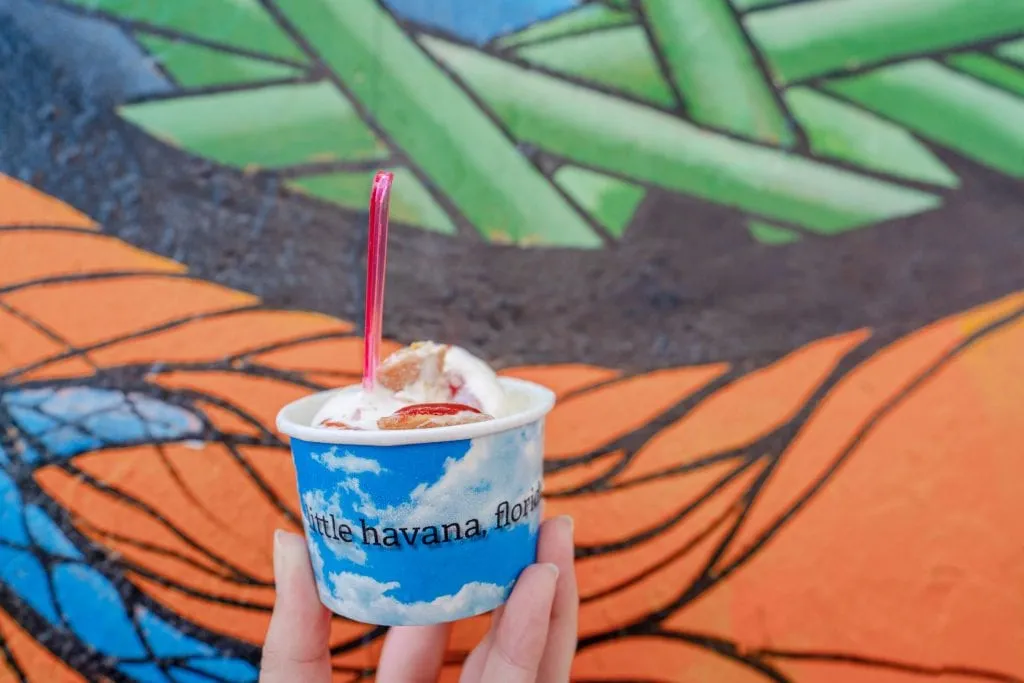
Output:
(363, 598)
(422, 533)
(317, 504)
(347, 462)
(472, 487)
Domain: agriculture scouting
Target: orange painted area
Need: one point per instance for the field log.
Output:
(102, 514)
(333, 355)
(38, 255)
(29, 657)
(582, 473)
(563, 379)
(92, 311)
(184, 487)
(64, 367)
(22, 344)
(702, 509)
(23, 205)
(830, 671)
(216, 338)
(260, 397)
(247, 623)
(904, 555)
(746, 409)
(658, 660)
(592, 419)
(881, 545)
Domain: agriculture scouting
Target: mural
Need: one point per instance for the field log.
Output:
(767, 252)
(586, 111)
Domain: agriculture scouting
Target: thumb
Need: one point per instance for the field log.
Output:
(296, 648)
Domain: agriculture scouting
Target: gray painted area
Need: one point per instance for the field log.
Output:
(107, 64)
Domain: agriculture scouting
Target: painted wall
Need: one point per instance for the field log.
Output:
(767, 252)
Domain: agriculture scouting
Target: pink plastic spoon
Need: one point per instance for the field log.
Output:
(376, 263)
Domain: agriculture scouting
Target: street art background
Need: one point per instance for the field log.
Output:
(768, 253)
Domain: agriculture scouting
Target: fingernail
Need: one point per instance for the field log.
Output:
(287, 553)
(569, 523)
(547, 566)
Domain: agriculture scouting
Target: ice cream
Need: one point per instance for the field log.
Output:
(420, 386)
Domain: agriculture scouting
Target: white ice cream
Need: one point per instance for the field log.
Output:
(359, 409)
(480, 387)
(464, 378)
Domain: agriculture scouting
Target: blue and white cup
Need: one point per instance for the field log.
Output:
(420, 526)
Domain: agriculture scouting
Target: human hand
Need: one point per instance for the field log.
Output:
(532, 638)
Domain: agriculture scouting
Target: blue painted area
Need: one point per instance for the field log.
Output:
(27, 398)
(70, 421)
(229, 669)
(48, 535)
(25, 576)
(183, 676)
(478, 21)
(165, 640)
(144, 673)
(85, 595)
(12, 528)
(75, 420)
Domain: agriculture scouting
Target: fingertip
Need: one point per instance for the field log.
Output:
(296, 646)
(534, 591)
(521, 634)
(568, 522)
(551, 568)
(413, 654)
(290, 555)
(556, 544)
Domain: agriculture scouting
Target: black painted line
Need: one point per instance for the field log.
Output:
(199, 92)
(862, 69)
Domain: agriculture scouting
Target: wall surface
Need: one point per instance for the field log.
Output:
(767, 252)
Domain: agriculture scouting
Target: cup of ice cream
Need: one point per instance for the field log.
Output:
(421, 496)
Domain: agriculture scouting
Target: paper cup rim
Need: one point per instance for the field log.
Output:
(540, 401)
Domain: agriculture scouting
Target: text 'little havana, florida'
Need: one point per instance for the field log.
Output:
(506, 514)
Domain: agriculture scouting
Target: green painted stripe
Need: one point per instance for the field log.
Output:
(999, 74)
(811, 39)
(1013, 50)
(620, 59)
(749, 5)
(774, 235)
(197, 66)
(580, 20)
(952, 109)
(604, 132)
(612, 202)
(238, 23)
(283, 125)
(411, 202)
(437, 125)
(841, 131)
(714, 69)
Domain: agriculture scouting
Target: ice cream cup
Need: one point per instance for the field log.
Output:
(420, 526)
